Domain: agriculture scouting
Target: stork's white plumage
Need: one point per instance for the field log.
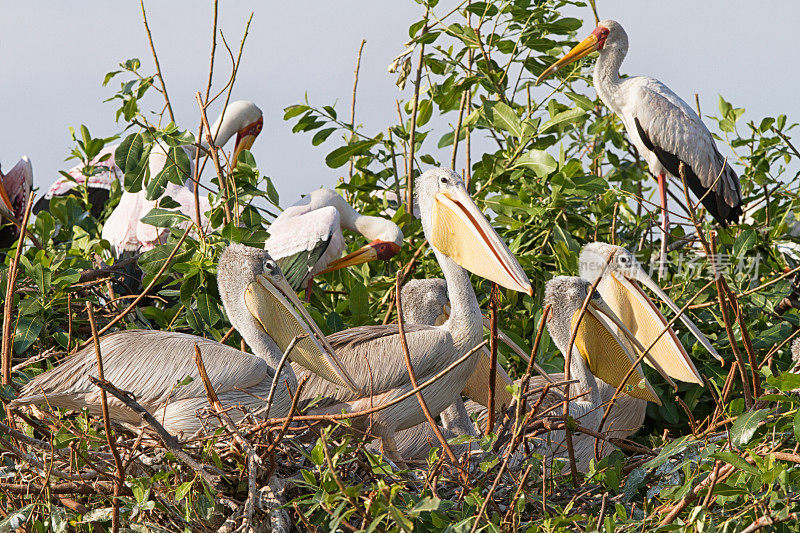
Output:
(124, 229)
(307, 239)
(662, 127)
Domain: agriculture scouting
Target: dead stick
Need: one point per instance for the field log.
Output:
(147, 289)
(155, 60)
(413, 378)
(167, 439)
(412, 135)
(119, 479)
(13, 272)
(353, 101)
(494, 303)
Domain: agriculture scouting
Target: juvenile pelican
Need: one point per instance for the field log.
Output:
(662, 127)
(307, 239)
(149, 364)
(597, 353)
(124, 230)
(15, 188)
(620, 288)
(461, 238)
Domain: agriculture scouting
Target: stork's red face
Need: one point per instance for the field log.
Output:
(595, 41)
(246, 136)
(601, 34)
(384, 250)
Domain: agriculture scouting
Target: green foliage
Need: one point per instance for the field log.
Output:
(559, 172)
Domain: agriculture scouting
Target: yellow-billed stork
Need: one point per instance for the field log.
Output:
(662, 127)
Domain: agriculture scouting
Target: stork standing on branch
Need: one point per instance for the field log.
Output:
(662, 127)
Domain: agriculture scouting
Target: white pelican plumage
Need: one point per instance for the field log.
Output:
(260, 305)
(463, 241)
(663, 128)
(307, 238)
(124, 230)
(15, 188)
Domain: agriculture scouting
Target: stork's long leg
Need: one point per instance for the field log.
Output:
(662, 259)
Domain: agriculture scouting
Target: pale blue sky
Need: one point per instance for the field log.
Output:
(53, 56)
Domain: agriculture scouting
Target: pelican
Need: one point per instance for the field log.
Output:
(149, 364)
(663, 128)
(15, 188)
(597, 354)
(123, 229)
(620, 287)
(463, 241)
(307, 239)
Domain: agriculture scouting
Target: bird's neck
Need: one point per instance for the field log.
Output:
(221, 131)
(627, 413)
(606, 76)
(466, 322)
(586, 382)
(256, 338)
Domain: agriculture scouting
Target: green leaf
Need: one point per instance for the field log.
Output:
(676, 446)
(735, 460)
(208, 309)
(183, 489)
(342, 155)
(177, 168)
(424, 112)
(321, 136)
(570, 115)
(16, 519)
(164, 218)
(359, 300)
(28, 329)
(129, 152)
(746, 425)
(539, 161)
(501, 116)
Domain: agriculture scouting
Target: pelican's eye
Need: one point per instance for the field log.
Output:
(443, 180)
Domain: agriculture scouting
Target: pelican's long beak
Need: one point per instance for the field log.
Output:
(583, 49)
(271, 301)
(460, 231)
(642, 317)
(606, 355)
(370, 252)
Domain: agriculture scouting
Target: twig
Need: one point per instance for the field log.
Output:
(423, 405)
(119, 479)
(353, 101)
(412, 135)
(372, 410)
(494, 303)
(155, 59)
(98, 273)
(723, 307)
(169, 440)
(457, 133)
(13, 271)
(567, 369)
(212, 148)
(150, 285)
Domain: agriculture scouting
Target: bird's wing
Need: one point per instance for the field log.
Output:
(373, 357)
(670, 128)
(149, 364)
(120, 228)
(300, 239)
